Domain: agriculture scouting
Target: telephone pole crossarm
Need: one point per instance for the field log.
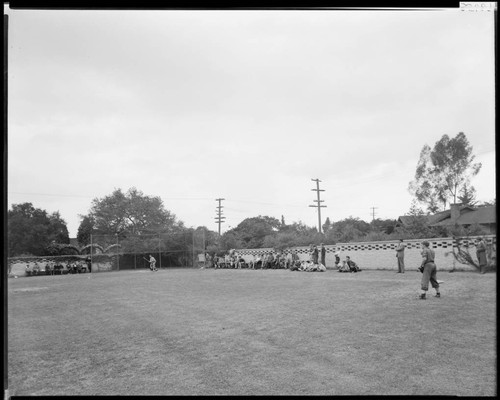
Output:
(219, 219)
(319, 205)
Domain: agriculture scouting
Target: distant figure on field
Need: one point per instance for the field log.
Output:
(36, 269)
(481, 255)
(295, 257)
(89, 264)
(343, 267)
(353, 267)
(323, 254)
(314, 255)
(49, 270)
(152, 263)
(337, 259)
(428, 268)
(400, 254)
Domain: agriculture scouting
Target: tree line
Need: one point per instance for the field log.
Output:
(442, 175)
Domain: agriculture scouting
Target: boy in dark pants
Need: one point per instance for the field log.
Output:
(428, 269)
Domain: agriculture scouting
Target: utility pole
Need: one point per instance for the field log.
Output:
(219, 219)
(317, 190)
(373, 213)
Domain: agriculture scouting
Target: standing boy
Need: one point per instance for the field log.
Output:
(428, 268)
(400, 254)
(481, 255)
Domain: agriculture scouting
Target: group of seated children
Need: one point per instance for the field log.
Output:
(308, 266)
(347, 265)
(287, 259)
(56, 268)
(282, 260)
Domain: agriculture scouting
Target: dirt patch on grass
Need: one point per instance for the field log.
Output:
(29, 289)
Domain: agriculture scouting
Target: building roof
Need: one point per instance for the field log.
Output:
(431, 219)
(469, 216)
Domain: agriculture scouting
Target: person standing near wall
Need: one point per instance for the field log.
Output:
(481, 255)
(323, 254)
(400, 255)
(295, 257)
(315, 254)
(428, 269)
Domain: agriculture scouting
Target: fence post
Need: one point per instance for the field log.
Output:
(91, 248)
(159, 248)
(117, 253)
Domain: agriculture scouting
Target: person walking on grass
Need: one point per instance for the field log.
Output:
(400, 254)
(428, 269)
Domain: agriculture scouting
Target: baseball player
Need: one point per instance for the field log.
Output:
(152, 263)
(428, 269)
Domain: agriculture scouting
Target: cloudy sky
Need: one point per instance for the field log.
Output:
(248, 106)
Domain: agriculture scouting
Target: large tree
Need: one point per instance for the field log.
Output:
(347, 230)
(444, 171)
(250, 232)
(137, 222)
(31, 230)
(130, 213)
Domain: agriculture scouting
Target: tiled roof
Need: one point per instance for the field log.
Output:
(469, 216)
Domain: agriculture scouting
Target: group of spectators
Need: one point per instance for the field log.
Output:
(347, 265)
(57, 268)
(280, 259)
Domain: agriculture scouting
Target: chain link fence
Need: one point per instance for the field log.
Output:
(108, 252)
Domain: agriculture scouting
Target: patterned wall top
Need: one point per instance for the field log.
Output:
(382, 245)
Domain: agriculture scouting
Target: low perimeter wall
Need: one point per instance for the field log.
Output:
(382, 255)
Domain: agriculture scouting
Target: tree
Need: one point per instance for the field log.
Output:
(383, 225)
(327, 225)
(58, 229)
(467, 196)
(129, 213)
(489, 203)
(443, 172)
(85, 229)
(417, 226)
(347, 230)
(31, 230)
(250, 232)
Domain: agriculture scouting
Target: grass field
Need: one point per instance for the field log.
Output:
(246, 332)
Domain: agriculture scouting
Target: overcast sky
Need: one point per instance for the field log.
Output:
(249, 106)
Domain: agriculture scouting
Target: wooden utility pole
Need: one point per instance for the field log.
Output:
(5, 271)
(317, 190)
(219, 219)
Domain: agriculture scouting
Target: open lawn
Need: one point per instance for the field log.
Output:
(246, 332)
